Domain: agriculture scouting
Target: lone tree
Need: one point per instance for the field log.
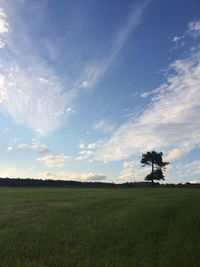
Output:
(154, 159)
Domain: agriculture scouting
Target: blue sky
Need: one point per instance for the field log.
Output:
(86, 87)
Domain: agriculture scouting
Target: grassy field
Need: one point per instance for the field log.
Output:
(99, 227)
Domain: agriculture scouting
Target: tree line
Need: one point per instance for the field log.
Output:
(29, 182)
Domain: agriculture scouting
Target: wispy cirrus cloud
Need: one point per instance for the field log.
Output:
(95, 70)
(30, 90)
(104, 126)
(37, 103)
(40, 91)
(170, 121)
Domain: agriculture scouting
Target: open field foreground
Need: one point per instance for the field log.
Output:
(99, 227)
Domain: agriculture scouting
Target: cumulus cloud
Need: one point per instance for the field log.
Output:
(85, 177)
(170, 121)
(40, 148)
(34, 146)
(54, 160)
(86, 152)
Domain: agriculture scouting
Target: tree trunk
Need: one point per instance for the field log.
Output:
(152, 170)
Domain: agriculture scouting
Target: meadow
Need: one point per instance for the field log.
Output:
(65, 227)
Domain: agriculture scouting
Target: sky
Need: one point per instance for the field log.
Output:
(87, 86)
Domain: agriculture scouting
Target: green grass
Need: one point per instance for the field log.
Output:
(99, 227)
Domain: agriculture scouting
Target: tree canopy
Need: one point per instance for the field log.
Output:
(158, 166)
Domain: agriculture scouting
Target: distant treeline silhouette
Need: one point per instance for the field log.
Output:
(29, 182)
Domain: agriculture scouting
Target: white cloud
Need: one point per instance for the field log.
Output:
(82, 146)
(176, 39)
(95, 70)
(135, 94)
(170, 122)
(27, 77)
(17, 147)
(70, 110)
(2, 93)
(177, 153)
(43, 99)
(175, 173)
(146, 94)
(132, 171)
(35, 146)
(195, 182)
(54, 160)
(193, 31)
(35, 103)
(4, 26)
(87, 151)
(22, 146)
(84, 154)
(85, 177)
(9, 148)
(67, 111)
(84, 84)
(104, 126)
(40, 148)
(194, 28)
(45, 81)
(128, 171)
(6, 130)
(183, 172)
(92, 146)
(15, 173)
(2, 44)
